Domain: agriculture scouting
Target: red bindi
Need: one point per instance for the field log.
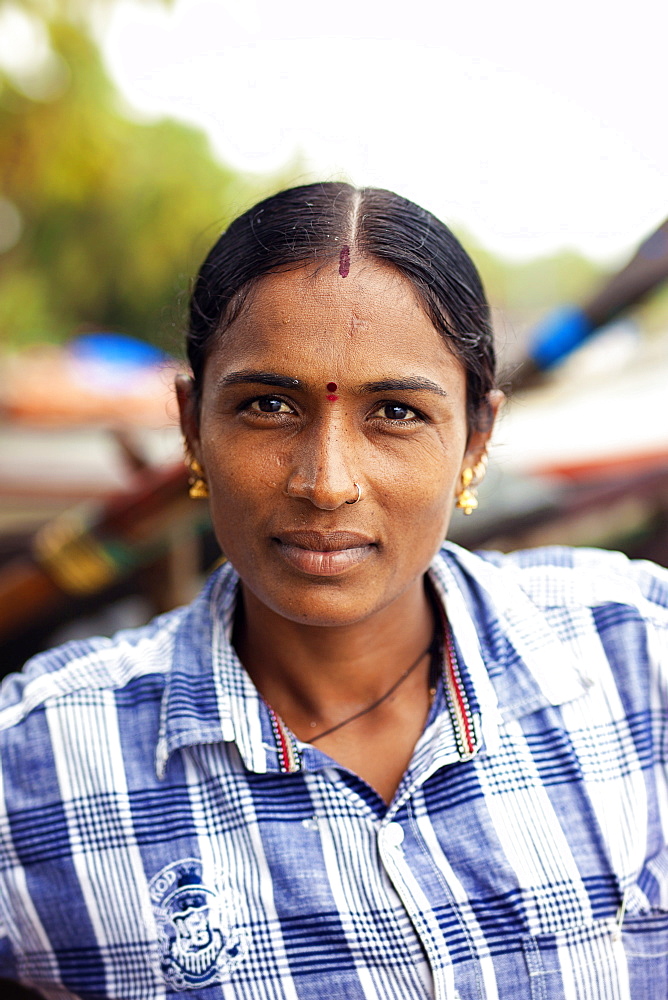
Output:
(331, 389)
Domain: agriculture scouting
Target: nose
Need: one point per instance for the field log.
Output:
(324, 467)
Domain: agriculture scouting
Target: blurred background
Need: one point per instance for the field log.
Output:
(133, 131)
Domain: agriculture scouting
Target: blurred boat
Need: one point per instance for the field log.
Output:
(94, 379)
(93, 489)
(58, 409)
(583, 459)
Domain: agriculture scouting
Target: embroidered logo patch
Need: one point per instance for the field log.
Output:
(198, 942)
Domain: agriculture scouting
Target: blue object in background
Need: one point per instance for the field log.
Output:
(116, 349)
(112, 363)
(562, 330)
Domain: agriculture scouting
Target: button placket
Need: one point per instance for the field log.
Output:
(391, 850)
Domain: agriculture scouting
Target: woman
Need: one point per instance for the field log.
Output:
(355, 766)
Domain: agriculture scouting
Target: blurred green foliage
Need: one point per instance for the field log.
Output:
(532, 285)
(106, 218)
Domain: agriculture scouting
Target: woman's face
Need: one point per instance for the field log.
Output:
(321, 383)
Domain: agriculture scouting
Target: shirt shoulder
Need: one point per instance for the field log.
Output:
(563, 576)
(95, 664)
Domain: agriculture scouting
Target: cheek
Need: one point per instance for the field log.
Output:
(419, 500)
(239, 469)
(426, 474)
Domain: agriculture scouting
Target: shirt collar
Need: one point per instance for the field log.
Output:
(507, 640)
(209, 697)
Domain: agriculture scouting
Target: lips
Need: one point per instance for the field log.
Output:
(324, 553)
(325, 541)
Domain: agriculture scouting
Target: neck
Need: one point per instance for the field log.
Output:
(314, 676)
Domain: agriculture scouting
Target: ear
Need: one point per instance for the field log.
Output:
(188, 413)
(476, 446)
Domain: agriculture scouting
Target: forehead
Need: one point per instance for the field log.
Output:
(317, 324)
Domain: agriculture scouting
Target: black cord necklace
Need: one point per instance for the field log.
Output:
(379, 701)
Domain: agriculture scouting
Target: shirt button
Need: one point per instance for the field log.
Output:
(393, 835)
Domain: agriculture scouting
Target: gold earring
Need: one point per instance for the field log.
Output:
(466, 498)
(479, 469)
(197, 486)
(471, 477)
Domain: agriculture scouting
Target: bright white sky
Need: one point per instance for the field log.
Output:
(536, 126)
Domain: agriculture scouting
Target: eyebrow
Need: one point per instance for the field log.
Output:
(408, 384)
(250, 376)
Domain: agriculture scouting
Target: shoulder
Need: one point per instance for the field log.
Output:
(136, 659)
(558, 576)
(566, 617)
(97, 664)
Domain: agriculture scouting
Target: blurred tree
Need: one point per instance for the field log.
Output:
(102, 219)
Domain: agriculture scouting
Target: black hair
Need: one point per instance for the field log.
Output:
(315, 223)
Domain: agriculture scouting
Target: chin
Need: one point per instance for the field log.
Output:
(324, 612)
(321, 605)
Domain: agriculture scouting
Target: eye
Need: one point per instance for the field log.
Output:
(396, 411)
(270, 404)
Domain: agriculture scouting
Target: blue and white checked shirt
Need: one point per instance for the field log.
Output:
(159, 834)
